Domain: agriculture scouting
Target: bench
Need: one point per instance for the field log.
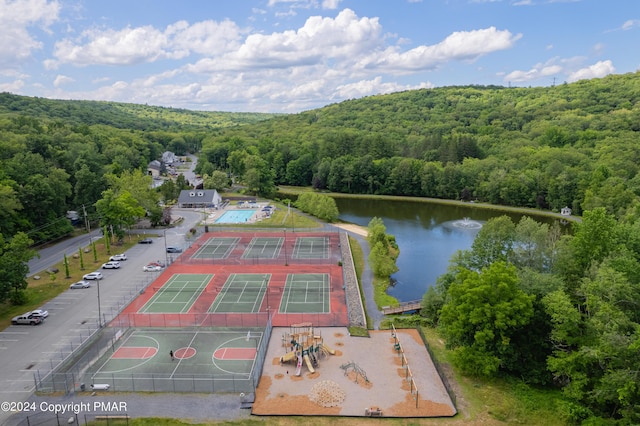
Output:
(373, 412)
(98, 386)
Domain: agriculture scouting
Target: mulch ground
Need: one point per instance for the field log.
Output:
(281, 392)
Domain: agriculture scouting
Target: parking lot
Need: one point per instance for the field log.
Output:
(73, 315)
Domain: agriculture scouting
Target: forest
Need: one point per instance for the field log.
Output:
(572, 145)
(553, 310)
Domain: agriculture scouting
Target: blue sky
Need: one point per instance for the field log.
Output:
(295, 55)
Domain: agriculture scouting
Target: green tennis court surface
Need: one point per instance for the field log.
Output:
(241, 293)
(306, 293)
(216, 248)
(311, 248)
(177, 295)
(264, 248)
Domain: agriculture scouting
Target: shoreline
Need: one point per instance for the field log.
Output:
(524, 210)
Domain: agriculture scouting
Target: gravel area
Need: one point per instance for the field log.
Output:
(352, 292)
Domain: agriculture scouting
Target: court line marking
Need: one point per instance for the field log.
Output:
(99, 370)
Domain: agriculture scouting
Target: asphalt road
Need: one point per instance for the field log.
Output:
(73, 315)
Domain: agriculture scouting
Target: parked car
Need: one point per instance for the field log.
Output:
(111, 265)
(80, 284)
(152, 268)
(146, 241)
(25, 319)
(39, 313)
(93, 276)
(118, 257)
(174, 250)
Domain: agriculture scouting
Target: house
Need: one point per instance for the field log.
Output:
(154, 168)
(169, 157)
(565, 211)
(192, 198)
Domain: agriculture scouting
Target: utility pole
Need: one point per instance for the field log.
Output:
(86, 219)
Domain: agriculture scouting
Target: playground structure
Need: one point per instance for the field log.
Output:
(303, 345)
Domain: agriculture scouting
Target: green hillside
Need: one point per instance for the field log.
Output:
(572, 145)
(122, 115)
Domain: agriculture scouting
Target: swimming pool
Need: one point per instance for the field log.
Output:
(235, 216)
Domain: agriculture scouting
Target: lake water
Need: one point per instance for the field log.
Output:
(428, 234)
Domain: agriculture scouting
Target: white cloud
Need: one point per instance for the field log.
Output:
(131, 46)
(540, 70)
(330, 4)
(12, 87)
(16, 18)
(110, 47)
(631, 23)
(597, 70)
(324, 60)
(62, 80)
(532, 74)
(375, 86)
(463, 45)
(319, 40)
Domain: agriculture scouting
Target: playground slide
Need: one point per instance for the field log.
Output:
(308, 362)
(299, 365)
(289, 356)
(328, 349)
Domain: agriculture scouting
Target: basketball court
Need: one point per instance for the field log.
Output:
(198, 355)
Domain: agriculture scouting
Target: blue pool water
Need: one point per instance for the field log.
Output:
(235, 216)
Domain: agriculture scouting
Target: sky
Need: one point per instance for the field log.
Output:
(287, 56)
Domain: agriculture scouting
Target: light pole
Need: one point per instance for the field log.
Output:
(99, 311)
(286, 261)
(266, 289)
(166, 256)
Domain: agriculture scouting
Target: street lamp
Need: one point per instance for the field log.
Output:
(99, 311)
(286, 261)
(166, 256)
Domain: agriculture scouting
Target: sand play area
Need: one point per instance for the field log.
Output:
(364, 376)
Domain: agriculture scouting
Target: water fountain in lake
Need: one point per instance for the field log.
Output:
(464, 223)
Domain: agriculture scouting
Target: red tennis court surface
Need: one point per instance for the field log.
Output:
(278, 264)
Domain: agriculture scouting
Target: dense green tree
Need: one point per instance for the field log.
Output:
(482, 313)
(118, 212)
(218, 181)
(319, 205)
(14, 257)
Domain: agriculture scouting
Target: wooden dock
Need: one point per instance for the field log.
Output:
(413, 305)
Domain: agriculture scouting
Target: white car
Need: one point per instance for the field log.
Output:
(25, 319)
(111, 265)
(118, 257)
(80, 284)
(152, 268)
(38, 313)
(93, 276)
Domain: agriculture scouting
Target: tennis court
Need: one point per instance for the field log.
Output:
(264, 248)
(311, 248)
(241, 293)
(177, 295)
(216, 248)
(306, 293)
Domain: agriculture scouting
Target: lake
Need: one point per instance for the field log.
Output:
(428, 234)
